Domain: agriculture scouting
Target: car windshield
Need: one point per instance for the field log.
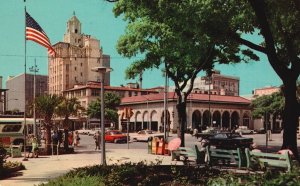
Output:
(115, 132)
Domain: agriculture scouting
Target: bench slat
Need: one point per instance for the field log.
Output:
(269, 159)
(222, 154)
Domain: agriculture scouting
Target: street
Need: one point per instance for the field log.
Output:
(87, 142)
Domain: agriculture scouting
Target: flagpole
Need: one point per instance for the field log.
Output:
(25, 126)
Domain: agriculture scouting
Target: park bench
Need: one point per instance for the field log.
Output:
(224, 157)
(187, 153)
(268, 159)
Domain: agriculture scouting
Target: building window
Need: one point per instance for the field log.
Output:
(81, 74)
(81, 64)
(76, 31)
(75, 68)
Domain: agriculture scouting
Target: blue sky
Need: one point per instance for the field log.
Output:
(97, 20)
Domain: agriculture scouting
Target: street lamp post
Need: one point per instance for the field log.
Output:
(102, 70)
(35, 70)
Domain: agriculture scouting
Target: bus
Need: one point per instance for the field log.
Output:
(12, 130)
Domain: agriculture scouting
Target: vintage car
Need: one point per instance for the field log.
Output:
(227, 140)
(115, 136)
(84, 131)
(244, 130)
(144, 135)
(210, 130)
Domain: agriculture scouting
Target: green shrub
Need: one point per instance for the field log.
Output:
(270, 178)
(76, 181)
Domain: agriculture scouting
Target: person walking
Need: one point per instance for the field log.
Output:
(76, 138)
(97, 138)
(35, 148)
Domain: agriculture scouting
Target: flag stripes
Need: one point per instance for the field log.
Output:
(35, 33)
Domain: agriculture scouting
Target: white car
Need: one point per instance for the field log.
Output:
(244, 130)
(84, 131)
(93, 131)
(143, 135)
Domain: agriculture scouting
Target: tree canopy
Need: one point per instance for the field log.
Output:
(111, 102)
(166, 34)
(273, 104)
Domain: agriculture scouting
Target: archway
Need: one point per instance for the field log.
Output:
(216, 119)
(225, 119)
(146, 120)
(235, 119)
(196, 119)
(153, 121)
(138, 121)
(206, 119)
(246, 120)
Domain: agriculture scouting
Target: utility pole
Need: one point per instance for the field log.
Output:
(35, 70)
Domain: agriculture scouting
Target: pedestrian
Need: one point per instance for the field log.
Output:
(59, 137)
(54, 138)
(35, 148)
(76, 139)
(70, 138)
(97, 138)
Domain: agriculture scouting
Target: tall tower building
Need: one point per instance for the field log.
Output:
(75, 57)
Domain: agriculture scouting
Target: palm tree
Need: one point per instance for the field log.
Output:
(45, 108)
(66, 108)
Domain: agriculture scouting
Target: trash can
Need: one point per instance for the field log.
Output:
(150, 145)
(154, 144)
(160, 147)
(16, 151)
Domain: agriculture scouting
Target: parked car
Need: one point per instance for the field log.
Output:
(244, 130)
(84, 131)
(115, 136)
(210, 130)
(93, 131)
(144, 135)
(260, 131)
(229, 140)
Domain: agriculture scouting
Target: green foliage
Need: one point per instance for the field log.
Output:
(77, 181)
(273, 103)
(68, 107)
(270, 178)
(165, 29)
(139, 174)
(111, 102)
(45, 107)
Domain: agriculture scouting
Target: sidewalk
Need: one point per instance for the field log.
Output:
(48, 167)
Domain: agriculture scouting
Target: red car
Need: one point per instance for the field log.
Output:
(115, 136)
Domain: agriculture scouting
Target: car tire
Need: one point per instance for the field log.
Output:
(115, 140)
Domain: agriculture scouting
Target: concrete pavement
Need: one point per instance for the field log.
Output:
(48, 167)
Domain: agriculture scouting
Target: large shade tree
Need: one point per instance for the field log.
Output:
(165, 33)
(45, 108)
(66, 108)
(277, 24)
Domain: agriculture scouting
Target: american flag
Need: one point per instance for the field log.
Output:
(35, 33)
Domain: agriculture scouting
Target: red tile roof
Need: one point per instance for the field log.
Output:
(195, 97)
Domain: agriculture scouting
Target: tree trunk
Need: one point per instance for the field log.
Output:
(290, 117)
(66, 134)
(181, 109)
(66, 140)
(48, 139)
